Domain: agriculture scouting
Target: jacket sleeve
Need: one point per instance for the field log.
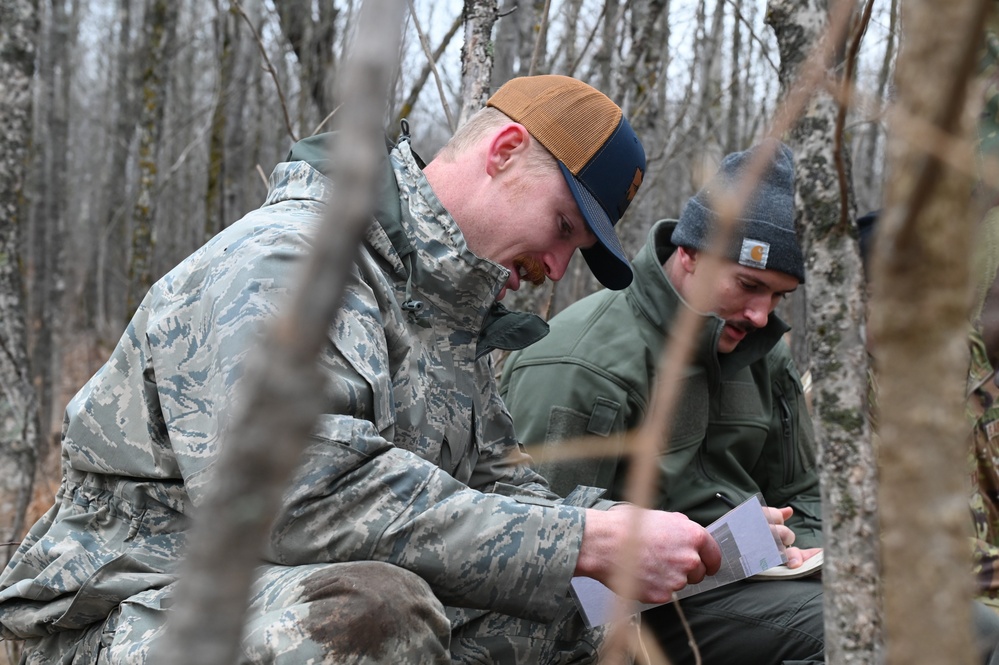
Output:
(792, 475)
(355, 496)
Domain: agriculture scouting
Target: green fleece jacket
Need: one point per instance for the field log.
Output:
(741, 424)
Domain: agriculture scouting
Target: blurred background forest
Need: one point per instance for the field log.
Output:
(147, 126)
(157, 122)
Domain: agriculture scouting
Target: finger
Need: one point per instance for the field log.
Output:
(794, 557)
(785, 534)
(697, 574)
(710, 555)
(809, 553)
(773, 515)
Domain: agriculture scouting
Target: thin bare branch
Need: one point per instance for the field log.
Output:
(539, 41)
(589, 40)
(430, 66)
(850, 65)
(325, 120)
(737, 9)
(269, 67)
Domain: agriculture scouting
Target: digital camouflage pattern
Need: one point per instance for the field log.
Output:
(414, 463)
(988, 72)
(983, 464)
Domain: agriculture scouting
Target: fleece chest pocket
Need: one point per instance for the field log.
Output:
(740, 402)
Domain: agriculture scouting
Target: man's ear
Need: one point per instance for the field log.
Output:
(508, 144)
(687, 258)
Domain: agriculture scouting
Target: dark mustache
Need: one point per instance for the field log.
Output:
(741, 326)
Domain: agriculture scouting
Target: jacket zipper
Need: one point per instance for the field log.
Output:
(787, 431)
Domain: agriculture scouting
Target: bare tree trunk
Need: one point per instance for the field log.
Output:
(709, 146)
(49, 203)
(638, 71)
(47, 356)
(603, 59)
(919, 317)
(19, 440)
(286, 395)
(110, 257)
(540, 46)
(226, 25)
(870, 181)
(312, 41)
(160, 25)
(835, 314)
(414, 92)
(476, 56)
(572, 11)
(733, 127)
(506, 44)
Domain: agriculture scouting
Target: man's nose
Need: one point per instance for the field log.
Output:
(758, 312)
(557, 262)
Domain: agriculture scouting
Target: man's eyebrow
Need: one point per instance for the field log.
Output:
(756, 281)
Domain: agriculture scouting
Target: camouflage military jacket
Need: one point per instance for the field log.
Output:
(414, 462)
(983, 463)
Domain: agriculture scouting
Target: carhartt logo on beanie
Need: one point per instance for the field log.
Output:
(763, 236)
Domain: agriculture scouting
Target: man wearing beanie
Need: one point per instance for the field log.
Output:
(740, 426)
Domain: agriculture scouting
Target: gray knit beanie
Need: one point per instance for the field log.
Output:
(763, 236)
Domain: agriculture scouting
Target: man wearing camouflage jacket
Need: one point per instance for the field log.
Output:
(411, 532)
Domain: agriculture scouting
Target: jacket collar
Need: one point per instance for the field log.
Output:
(655, 296)
(431, 256)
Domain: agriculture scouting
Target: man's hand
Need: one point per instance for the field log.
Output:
(795, 556)
(670, 551)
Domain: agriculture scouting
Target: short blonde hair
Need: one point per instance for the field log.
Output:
(486, 120)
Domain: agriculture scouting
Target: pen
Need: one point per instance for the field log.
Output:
(724, 499)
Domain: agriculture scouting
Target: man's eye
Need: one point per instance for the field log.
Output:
(565, 227)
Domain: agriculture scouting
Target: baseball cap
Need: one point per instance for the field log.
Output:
(597, 150)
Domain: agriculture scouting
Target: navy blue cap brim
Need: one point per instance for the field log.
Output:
(606, 259)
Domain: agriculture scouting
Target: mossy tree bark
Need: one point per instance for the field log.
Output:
(19, 440)
(838, 359)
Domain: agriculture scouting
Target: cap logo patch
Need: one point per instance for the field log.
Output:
(636, 182)
(754, 253)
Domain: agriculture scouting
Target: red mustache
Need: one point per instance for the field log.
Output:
(532, 270)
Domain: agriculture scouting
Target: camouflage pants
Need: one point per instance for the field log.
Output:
(364, 612)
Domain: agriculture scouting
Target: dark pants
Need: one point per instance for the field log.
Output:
(762, 623)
